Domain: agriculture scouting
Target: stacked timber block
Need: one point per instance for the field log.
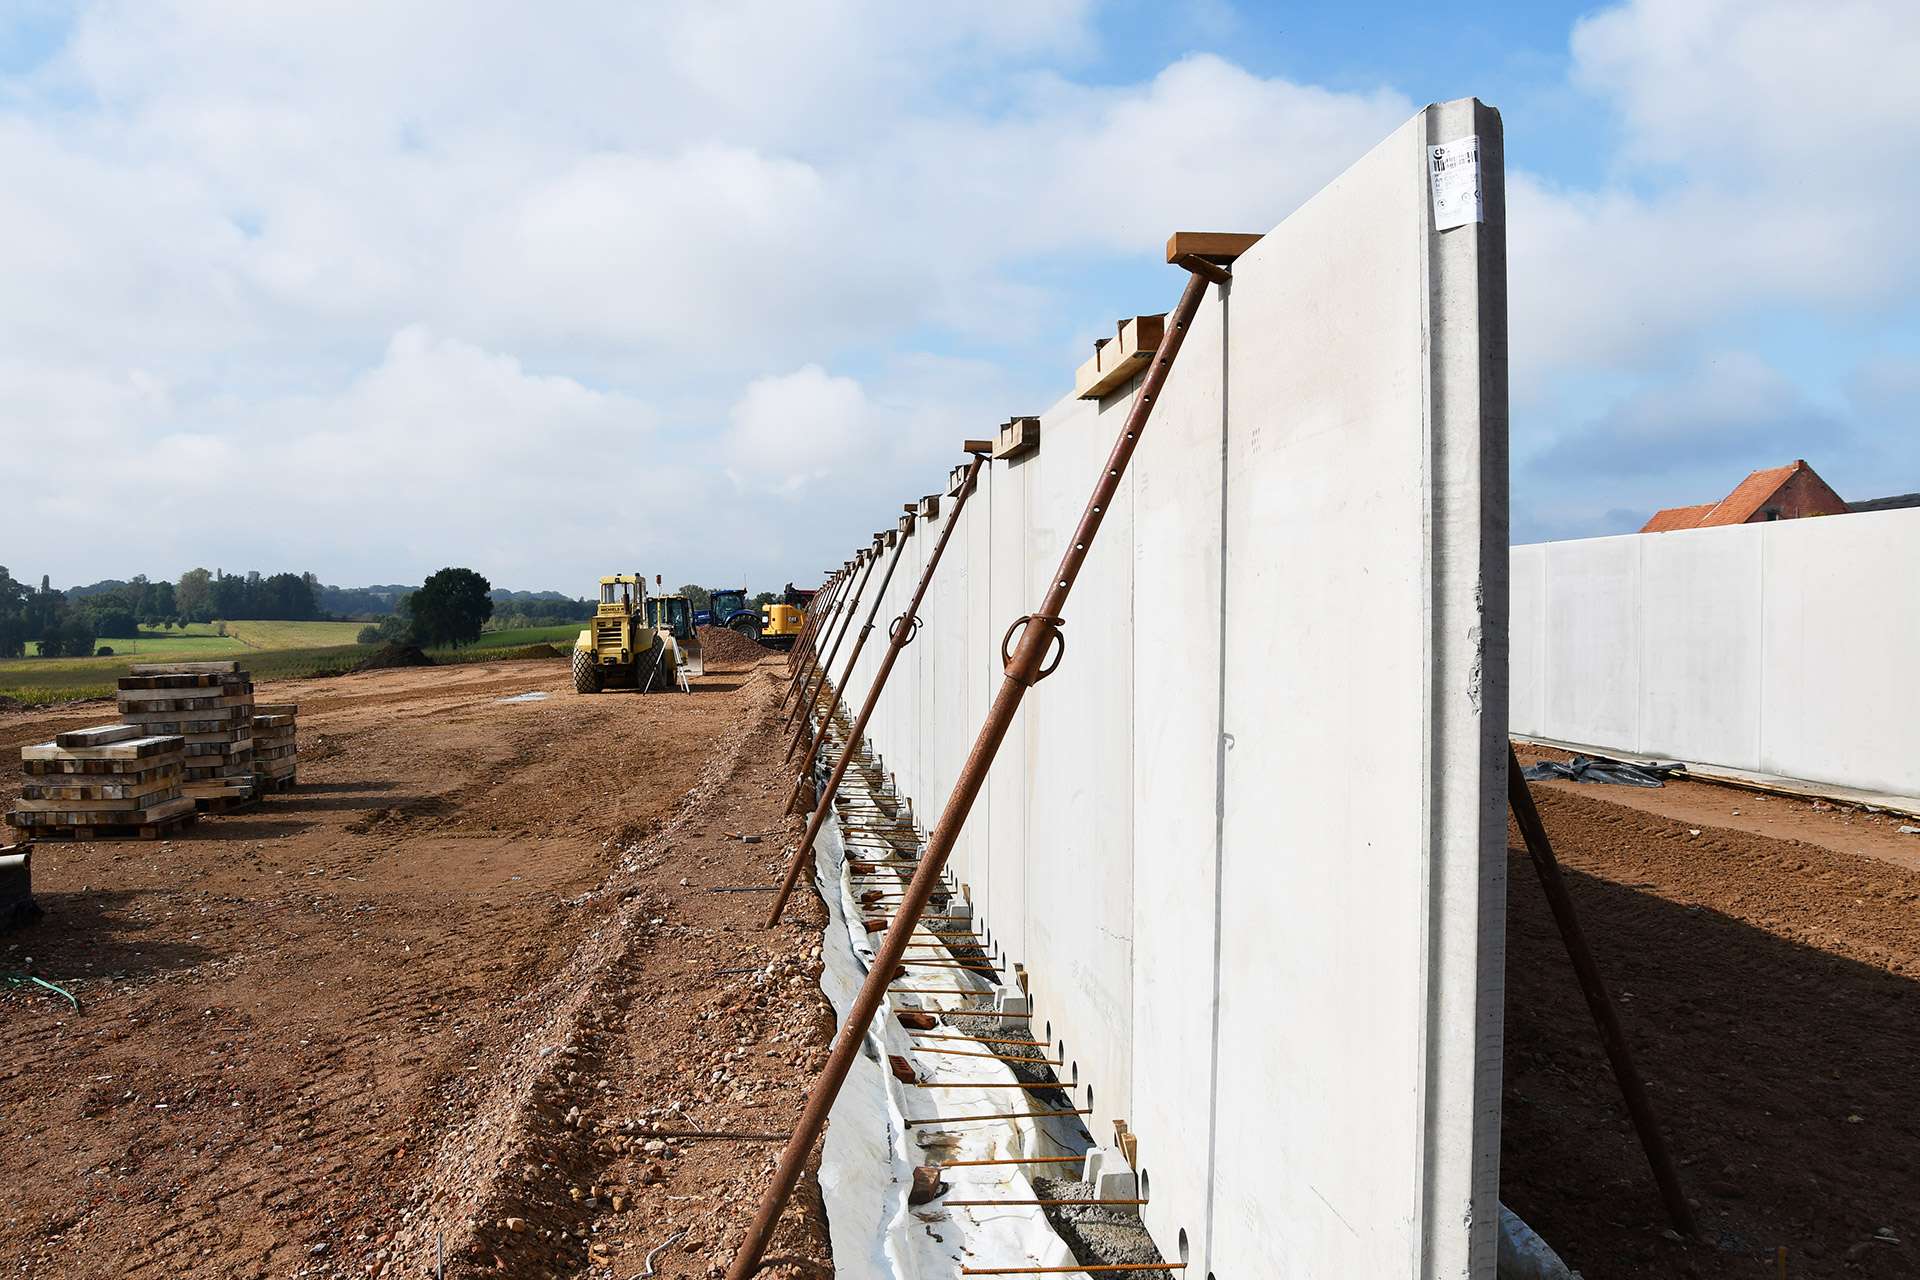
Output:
(210, 704)
(1118, 359)
(274, 755)
(115, 780)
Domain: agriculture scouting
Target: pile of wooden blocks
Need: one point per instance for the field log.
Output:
(274, 755)
(210, 704)
(1118, 360)
(115, 780)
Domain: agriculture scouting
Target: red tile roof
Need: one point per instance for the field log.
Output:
(1750, 495)
(1677, 518)
(1761, 489)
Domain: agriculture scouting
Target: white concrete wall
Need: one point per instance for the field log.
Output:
(1786, 647)
(1248, 842)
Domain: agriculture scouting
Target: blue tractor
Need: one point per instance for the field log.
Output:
(727, 608)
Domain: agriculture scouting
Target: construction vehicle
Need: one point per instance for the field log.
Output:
(637, 641)
(727, 607)
(782, 620)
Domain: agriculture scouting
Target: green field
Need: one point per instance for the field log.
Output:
(270, 650)
(560, 636)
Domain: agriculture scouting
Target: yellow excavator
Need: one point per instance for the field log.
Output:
(782, 621)
(637, 641)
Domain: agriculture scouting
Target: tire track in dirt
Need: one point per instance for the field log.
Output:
(281, 1011)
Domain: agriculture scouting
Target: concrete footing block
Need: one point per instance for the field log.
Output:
(1110, 1174)
(1013, 1005)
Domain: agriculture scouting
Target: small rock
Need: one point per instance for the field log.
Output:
(516, 1224)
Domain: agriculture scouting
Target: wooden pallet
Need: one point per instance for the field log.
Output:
(163, 829)
(273, 786)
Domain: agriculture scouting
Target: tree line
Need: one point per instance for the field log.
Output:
(71, 623)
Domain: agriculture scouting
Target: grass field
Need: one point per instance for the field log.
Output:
(560, 636)
(270, 650)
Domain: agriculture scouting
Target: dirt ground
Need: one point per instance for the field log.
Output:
(1765, 966)
(449, 995)
(427, 1001)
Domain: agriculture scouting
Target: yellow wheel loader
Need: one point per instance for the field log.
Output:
(637, 641)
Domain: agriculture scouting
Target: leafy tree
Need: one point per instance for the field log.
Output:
(71, 637)
(451, 607)
(112, 619)
(395, 628)
(13, 615)
(158, 604)
(193, 597)
(229, 596)
(698, 597)
(760, 599)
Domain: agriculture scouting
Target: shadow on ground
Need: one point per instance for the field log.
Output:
(1784, 1075)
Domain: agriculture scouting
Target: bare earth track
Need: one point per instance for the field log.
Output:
(1766, 971)
(448, 995)
(290, 1013)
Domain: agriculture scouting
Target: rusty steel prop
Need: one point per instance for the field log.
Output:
(810, 689)
(818, 734)
(899, 636)
(806, 628)
(894, 645)
(1605, 1017)
(828, 640)
(827, 612)
(816, 610)
(1024, 668)
(826, 693)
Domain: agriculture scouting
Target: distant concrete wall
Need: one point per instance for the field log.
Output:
(1785, 647)
(1248, 843)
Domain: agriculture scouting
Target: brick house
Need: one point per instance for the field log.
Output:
(1776, 493)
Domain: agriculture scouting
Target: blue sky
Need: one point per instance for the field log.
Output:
(427, 258)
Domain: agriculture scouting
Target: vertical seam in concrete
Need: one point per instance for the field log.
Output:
(1420, 1263)
(1760, 672)
(1219, 791)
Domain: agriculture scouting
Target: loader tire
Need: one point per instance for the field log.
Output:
(586, 673)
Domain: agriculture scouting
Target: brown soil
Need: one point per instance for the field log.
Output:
(1768, 987)
(393, 656)
(323, 1036)
(1844, 828)
(722, 645)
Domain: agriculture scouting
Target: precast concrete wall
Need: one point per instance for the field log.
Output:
(1785, 647)
(1247, 845)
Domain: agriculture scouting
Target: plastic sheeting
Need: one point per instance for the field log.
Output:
(866, 1166)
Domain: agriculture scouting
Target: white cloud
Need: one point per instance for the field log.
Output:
(791, 429)
(461, 275)
(1766, 158)
(312, 255)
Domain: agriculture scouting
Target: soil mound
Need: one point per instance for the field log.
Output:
(391, 656)
(718, 644)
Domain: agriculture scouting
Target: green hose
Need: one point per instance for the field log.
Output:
(22, 979)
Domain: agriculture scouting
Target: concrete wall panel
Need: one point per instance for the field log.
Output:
(1780, 647)
(1247, 843)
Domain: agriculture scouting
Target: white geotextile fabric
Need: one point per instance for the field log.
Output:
(866, 1166)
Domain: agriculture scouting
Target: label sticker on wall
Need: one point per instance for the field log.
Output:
(1455, 167)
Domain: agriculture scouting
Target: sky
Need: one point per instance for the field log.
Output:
(368, 288)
